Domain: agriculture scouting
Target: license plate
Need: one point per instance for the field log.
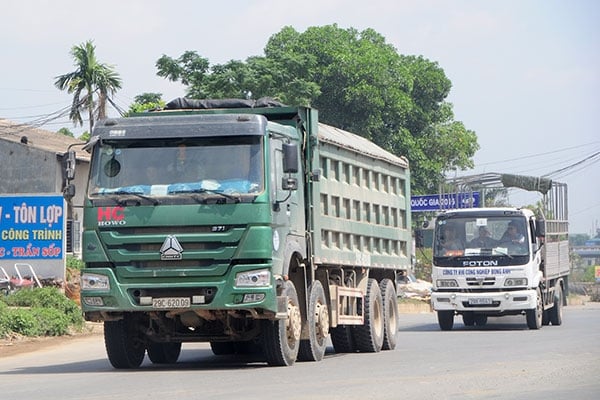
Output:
(480, 301)
(171, 302)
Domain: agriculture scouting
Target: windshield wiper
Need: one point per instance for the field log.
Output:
(235, 197)
(123, 202)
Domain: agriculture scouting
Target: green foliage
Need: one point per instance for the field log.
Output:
(145, 102)
(578, 239)
(21, 321)
(358, 82)
(148, 98)
(3, 319)
(40, 311)
(74, 262)
(66, 132)
(85, 136)
(51, 321)
(589, 275)
(91, 84)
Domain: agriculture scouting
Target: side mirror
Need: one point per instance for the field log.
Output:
(540, 228)
(290, 158)
(70, 165)
(69, 191)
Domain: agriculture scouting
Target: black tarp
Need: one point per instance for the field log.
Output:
(184, 103)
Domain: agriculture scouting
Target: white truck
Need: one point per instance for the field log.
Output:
(503, 261)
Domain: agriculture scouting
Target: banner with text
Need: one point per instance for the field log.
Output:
(32, 231)
(435, 202)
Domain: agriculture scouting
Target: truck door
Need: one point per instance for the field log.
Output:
(287, 206)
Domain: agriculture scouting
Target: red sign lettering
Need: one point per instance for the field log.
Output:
(110, 213)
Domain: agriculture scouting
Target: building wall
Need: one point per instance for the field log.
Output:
(25, 169)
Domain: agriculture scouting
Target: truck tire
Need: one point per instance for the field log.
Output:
(480, 319)
(281, 338)
(534, 317)
(313, 349)
(445, 320)
(555, 313)
(369, 336)
(342, 339)
(163, 353)
(390, 314)
(468, 318)
(125, 346)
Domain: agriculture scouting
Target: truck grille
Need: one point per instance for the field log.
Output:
(487, 281)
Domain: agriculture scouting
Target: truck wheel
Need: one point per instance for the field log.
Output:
(124, 344)
(163, 353)
(480, 320)
(281, 338)
(369, 337)
(390, 314)
(546, 318)
(313, 349)
(342, 339)
(468, 318)
(534, 316)
(556, 311)
(445, 320)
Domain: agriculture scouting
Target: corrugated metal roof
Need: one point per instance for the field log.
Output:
(39, 138)
(358, 144)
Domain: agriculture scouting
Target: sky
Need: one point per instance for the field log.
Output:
(525, 73)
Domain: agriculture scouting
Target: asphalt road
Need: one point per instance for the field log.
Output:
(503, 360)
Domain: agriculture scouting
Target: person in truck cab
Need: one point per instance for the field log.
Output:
(512, 234)
(450, 240)
(484, 240)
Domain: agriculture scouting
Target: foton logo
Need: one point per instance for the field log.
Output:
(108, 216)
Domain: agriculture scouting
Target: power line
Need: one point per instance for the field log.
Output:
(527, 157)
(578, 163)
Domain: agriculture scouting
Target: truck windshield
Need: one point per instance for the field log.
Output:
(476, 236)
(228, 165)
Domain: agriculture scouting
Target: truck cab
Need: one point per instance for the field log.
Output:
(490, 262)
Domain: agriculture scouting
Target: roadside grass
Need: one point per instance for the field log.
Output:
(39, 312)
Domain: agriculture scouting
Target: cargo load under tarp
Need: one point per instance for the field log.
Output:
(183, 103)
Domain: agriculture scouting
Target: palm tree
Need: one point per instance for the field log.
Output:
(90, 77)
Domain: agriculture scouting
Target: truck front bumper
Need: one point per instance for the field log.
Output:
(491, 303)
(147, 295)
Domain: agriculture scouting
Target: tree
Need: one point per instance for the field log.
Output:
(85, 136)
(146, 101)
(65, 132)
(358, 82)
(90, 78)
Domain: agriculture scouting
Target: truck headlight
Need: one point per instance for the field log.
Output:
(515, 282)
(256, 278)
(94, 282)
(446, 283)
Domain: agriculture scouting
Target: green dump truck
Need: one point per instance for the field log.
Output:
(245, 224)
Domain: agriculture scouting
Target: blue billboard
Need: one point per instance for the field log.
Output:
(32, 227)
(435, 202)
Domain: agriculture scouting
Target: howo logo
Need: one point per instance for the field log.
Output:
(171, 249)
(108, 216)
